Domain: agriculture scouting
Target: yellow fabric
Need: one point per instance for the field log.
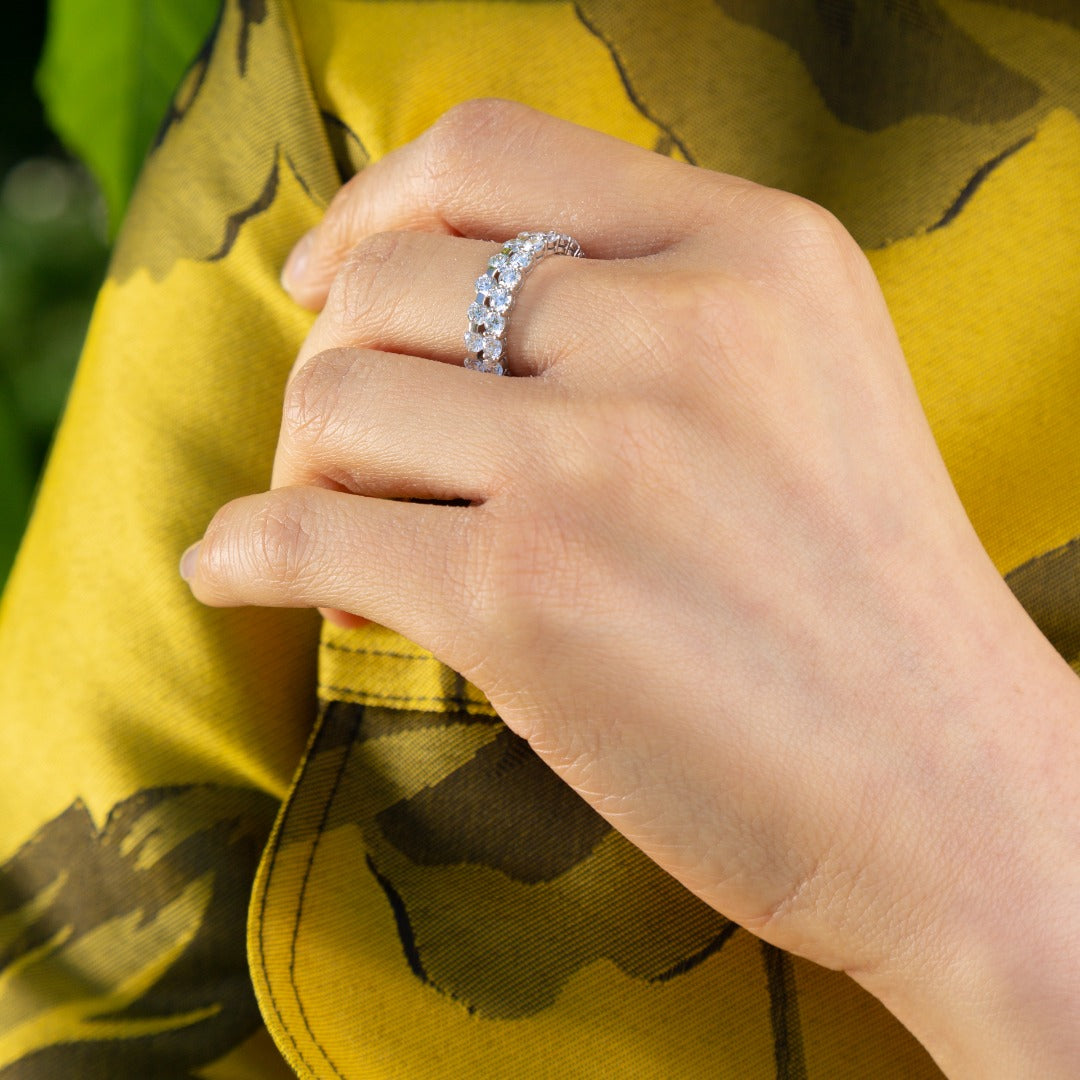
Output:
(427, 901)
(998, 372)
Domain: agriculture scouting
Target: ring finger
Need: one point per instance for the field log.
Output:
(410, 292)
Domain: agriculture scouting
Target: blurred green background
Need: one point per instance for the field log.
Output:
(105, 70)
(53, 249)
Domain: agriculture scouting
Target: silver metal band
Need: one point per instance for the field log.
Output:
(496, 290)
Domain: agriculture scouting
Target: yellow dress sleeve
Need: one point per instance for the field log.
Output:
(146, 742)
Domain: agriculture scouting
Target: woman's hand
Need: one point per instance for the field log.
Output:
(707, 559)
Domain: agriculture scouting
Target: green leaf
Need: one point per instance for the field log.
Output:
(106, 77)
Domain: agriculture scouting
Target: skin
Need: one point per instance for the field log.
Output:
(712, 565)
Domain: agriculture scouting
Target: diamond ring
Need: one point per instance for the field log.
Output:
(496, 290)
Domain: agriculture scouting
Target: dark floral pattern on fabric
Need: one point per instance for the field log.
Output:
(134, 933)
(551, 887)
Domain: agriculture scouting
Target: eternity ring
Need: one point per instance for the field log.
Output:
(496, 290)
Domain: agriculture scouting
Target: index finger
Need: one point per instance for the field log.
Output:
(490, 168)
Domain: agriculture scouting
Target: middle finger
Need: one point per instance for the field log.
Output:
(401, 427)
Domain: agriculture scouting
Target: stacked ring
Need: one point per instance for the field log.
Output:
(496, 290)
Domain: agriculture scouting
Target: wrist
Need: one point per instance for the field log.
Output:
(984, 966)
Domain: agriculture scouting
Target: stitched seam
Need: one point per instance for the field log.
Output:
(376, 652)
(262, 940)
(319, 833)
(296, 925)
(465, 704)
(446, 699)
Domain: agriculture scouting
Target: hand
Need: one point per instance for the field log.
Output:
(710, 564)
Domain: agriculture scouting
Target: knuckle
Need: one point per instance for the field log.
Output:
(455, 158)
(458, 129)
(711, 199)
(357, 298)
(259, 544)
(807, 235)
(313, 398)
(282, 538)
(812, 261)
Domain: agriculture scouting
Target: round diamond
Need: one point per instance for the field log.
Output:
(477, 313)
(494, 323)
(492, 347)
(484, 285)
(498, 261)
(519, 260)
(499, 299)
(509, 277)
(474, 342)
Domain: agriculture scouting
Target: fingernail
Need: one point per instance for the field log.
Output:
(296, 264)
(187, 562)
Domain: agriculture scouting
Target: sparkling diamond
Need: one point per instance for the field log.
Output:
(493, 322)
(484, 285)
(519, 260)
(474, 342)
(509, 277)
(499, 299)
(492, 347)
(477, 313)
(498, 261)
